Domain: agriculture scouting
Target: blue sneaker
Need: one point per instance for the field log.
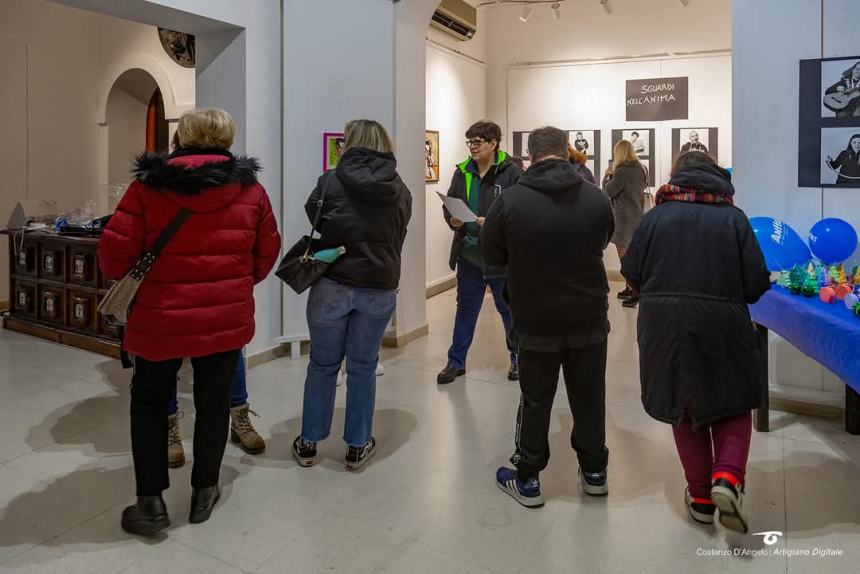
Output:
(526, 492)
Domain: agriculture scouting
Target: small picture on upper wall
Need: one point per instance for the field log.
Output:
(583, 141)
(840, 156)
(181, 47)
(639, 139)
(695, 139)
(840, 82)
(431, 156)
(332, 149)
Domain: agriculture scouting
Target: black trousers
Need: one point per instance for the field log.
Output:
(152, 386)
(585, 378)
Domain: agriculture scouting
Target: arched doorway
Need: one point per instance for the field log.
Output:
(135, 121)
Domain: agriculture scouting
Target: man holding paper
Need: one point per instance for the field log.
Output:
(477, 183)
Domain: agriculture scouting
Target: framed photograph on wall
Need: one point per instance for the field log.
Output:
(332, 149)
(643, 144)
(520, 145)
(840, 156)
(587, 142)
(695, 139)
(431, 156)
(829, 126)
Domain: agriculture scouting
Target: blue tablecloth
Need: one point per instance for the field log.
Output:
(829, 333)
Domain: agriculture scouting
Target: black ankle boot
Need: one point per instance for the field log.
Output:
(203, 500)
(146, 517)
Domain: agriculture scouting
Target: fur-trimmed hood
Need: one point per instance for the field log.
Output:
(192, 172)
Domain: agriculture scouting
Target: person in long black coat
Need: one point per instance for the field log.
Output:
(697, 265)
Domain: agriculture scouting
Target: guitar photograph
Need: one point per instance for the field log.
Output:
(843, 97)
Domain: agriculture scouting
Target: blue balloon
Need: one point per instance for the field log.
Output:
(783, 248)
(832, 240)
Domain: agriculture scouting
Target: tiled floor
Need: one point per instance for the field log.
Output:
(426, 503)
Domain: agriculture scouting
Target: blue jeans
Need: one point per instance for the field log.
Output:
(344, 321)
(471, 287)
(238, 392)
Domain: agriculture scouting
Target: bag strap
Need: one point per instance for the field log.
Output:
(320, 203)
(144, 264)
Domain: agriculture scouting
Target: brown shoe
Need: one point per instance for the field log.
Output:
(242, 431)
(175, 452)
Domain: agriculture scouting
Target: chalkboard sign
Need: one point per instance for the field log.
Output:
(658, 99)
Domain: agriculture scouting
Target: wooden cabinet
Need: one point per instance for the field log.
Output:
(56, 288)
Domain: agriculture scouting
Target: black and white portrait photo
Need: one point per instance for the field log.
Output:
(582, 141)
(840, 161)
(840, 82)
(694, 139)
(639, 139)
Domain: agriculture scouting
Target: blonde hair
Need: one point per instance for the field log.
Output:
(206, 128)
(367, 134)
(624, 153)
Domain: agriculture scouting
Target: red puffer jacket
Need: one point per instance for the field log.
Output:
(198, 298)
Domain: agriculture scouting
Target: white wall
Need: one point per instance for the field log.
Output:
(56, 74)
(532, 81)
(768, 43)
(456, 98)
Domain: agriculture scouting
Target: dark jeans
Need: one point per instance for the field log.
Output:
(585, 378)
(238, 392)
(153, 386)
(471, 287)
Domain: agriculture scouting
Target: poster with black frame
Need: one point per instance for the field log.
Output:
(644, 145)
(829, 126)
(587, 142)
(695, 139)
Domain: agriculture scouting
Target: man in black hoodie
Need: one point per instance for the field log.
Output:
(551, 230)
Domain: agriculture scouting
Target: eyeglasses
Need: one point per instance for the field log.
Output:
(475, 143)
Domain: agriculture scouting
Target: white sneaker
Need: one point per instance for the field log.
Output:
(379, 370)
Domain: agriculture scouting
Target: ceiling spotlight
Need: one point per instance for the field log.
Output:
(556, 10)
(527, 13)
(685, 3)
(607, 7)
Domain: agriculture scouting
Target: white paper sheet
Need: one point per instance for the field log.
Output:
(458, 208)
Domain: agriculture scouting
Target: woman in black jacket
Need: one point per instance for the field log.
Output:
(697, 265)
(847, 164)
(365, 209)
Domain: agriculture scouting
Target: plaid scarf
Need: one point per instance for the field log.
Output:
(674, 193)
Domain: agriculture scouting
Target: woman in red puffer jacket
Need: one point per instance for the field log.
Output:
(197, 301)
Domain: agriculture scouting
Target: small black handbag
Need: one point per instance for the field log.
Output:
(298, 268)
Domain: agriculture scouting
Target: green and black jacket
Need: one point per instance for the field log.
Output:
(479, 194)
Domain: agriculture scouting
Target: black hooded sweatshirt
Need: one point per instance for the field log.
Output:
(366, 209)
(551, 229)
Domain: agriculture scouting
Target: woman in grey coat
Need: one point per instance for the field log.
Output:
(626, 186)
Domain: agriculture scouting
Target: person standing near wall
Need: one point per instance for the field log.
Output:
(625, 184)
(478, 181)
(550, 230)
(579, 162)
(366, 209)
(197, 301)
(697, 265)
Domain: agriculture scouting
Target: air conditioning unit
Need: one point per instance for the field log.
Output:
(457, 18)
